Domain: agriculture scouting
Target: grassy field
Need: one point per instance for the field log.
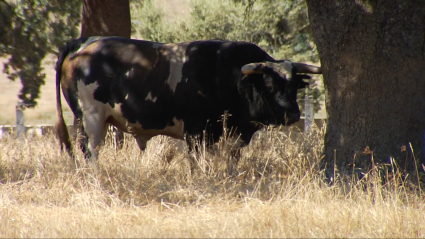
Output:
(272, 189)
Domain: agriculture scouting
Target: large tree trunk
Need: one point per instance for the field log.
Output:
(106, 18)
(373, 60)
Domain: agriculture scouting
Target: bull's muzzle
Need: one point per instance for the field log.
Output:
(292, 117)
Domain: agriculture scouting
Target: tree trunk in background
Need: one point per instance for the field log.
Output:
(373, 60)
(106, 18)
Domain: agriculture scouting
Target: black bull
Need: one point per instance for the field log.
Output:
(147, 89)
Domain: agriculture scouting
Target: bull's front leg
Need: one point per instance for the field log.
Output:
(142, 141)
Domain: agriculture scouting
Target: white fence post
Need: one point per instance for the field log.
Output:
(20, 127)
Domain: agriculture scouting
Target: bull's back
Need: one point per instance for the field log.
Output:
(110, 57)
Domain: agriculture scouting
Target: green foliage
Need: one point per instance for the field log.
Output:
(6, 18)
(148, 23)
(280, 27)
(31, 29)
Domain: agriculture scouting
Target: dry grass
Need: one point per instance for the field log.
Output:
(272, 189)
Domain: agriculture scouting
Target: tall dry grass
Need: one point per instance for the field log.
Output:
(272, 188)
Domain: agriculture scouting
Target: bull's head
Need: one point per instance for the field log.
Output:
(277, 91)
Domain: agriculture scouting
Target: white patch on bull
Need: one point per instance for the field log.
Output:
(86, 71)
(126, 97)
(85, 96)
(149, 97)
(176, 54)
(128, 73)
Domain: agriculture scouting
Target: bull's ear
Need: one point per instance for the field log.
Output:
(253, 68)
(305, 68)
(301, 83)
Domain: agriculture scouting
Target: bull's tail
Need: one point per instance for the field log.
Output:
(61, 128)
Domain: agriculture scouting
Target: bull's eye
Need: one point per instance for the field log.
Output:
(269, 85)
(279, 98)
(270, 88)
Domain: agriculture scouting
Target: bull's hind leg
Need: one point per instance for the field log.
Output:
(95, 127)
(81, 137)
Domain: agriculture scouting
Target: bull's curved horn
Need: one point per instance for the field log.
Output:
(304, 68)
(253, 68)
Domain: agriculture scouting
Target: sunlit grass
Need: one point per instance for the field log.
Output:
(273, 188)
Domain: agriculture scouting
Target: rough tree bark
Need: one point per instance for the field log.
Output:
(373, 59)
(107, 18)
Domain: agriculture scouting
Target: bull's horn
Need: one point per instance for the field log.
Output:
(304, 68)
(253, 68)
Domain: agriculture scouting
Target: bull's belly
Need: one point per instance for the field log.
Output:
(115, 117)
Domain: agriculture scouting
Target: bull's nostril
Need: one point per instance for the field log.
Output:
(294, 115)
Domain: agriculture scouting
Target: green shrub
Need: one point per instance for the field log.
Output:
(29, 30)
